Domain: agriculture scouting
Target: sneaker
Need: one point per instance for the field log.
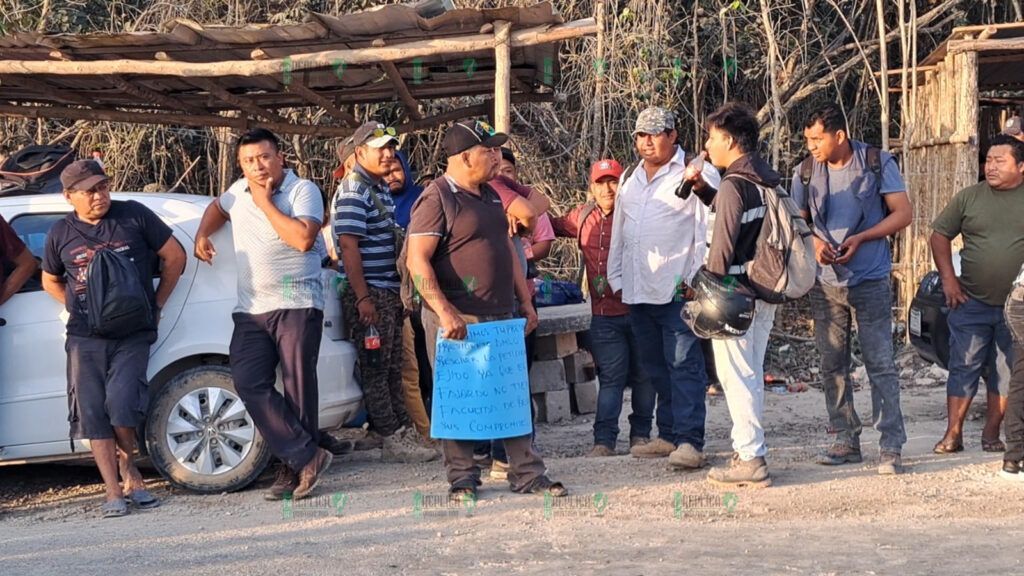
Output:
(638, 441)
(890, 463)
(334, 445)
(403, 447)
(311, 473)
(371, 441)
(499, 470)
(600, 451)
(656, 448)
(840, 454)
(741, 473)
(285, 482)
(1012, 471)
(686, 456)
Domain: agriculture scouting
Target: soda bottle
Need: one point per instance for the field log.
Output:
(686, 186)
(372, 344)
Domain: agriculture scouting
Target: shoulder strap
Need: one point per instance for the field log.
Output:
(629, 171)
(874, 161)
(449, 208)
(585, 213)
(806, 170)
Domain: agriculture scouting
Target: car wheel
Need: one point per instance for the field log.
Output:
(200, 436)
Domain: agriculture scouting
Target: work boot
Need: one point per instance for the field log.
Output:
(311, 473)
(600, 451)
(686, 456)
(741, 473)
(285, 483)
(890, 463)
(637, 441)
(402, 447)
(370, 441)
(840, 454)
(1012, 471)
(499, 470)
(656, 448)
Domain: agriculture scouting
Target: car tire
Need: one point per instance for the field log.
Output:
(200, 436)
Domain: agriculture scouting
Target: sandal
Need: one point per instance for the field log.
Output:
(995, 445)
(545, 485)
(114, 508)
(142, 499)
(948, 448)
(462, 491)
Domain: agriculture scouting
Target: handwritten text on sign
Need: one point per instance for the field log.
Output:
(481, 387)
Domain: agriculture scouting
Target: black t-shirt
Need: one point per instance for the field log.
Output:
(128, 228)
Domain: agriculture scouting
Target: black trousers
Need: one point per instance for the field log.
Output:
(291, 339)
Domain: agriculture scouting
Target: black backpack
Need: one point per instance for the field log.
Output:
(117, 305)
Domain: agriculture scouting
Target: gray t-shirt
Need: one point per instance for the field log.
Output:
(853, 191)
(271, 274)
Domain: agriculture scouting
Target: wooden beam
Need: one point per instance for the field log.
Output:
(502, 77)
(197, 120)
(57, 93)
(221, 93)
(412, 105)
(1008, 44)
(475, 110)
(153, 96)
(296, 87)
(325, 59)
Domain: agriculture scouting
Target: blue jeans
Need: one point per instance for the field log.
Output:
(617, 356)
(978, 335)
(671, 357)
(834, 309)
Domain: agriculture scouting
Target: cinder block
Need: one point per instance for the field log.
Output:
(555, 346)
(585, 395)
(579, 367)
(552, 406)
(547, 375)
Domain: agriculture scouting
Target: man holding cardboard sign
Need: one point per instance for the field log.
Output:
(465, 273)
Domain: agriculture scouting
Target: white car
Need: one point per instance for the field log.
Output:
(198, 433)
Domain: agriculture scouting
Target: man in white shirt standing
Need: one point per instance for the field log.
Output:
(658, 244)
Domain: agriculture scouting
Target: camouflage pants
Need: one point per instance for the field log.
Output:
(382, 385)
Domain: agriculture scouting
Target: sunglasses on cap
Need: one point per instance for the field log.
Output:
(389, 131)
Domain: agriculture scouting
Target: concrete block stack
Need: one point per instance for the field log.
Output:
(563, 380)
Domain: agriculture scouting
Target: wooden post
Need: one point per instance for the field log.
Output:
(597, 125)
(883, 67)
(502, 76)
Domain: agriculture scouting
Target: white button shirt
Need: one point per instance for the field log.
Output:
(658, 240)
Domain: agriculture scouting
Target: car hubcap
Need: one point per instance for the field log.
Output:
(209, 431)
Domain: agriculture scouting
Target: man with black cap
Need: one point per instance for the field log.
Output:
(107, 383)
(369, 242)
(474, 245)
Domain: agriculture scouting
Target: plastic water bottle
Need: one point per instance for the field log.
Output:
(372, 344)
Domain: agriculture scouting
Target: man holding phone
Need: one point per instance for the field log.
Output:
(854, 197)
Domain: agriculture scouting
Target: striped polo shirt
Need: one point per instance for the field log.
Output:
(355, 213)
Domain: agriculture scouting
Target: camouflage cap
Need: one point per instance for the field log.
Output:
(654, 120)
(1012, 127)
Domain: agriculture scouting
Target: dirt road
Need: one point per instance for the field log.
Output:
(947, 515)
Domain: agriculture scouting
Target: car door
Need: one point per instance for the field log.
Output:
(33, 386)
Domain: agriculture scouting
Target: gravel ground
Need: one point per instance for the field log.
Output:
(948, 514)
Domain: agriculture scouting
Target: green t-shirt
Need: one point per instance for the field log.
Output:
(992, 225)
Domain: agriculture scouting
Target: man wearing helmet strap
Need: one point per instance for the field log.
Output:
(738, 211)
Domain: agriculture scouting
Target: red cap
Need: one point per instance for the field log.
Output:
(603, 168)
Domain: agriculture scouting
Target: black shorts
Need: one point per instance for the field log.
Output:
(107, 384)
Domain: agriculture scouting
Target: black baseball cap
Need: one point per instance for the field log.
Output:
(507, 154)
(82, 175)
(464, 135)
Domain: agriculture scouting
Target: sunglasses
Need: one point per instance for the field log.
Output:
(378, 132)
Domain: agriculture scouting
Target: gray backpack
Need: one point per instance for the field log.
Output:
(784, 267)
